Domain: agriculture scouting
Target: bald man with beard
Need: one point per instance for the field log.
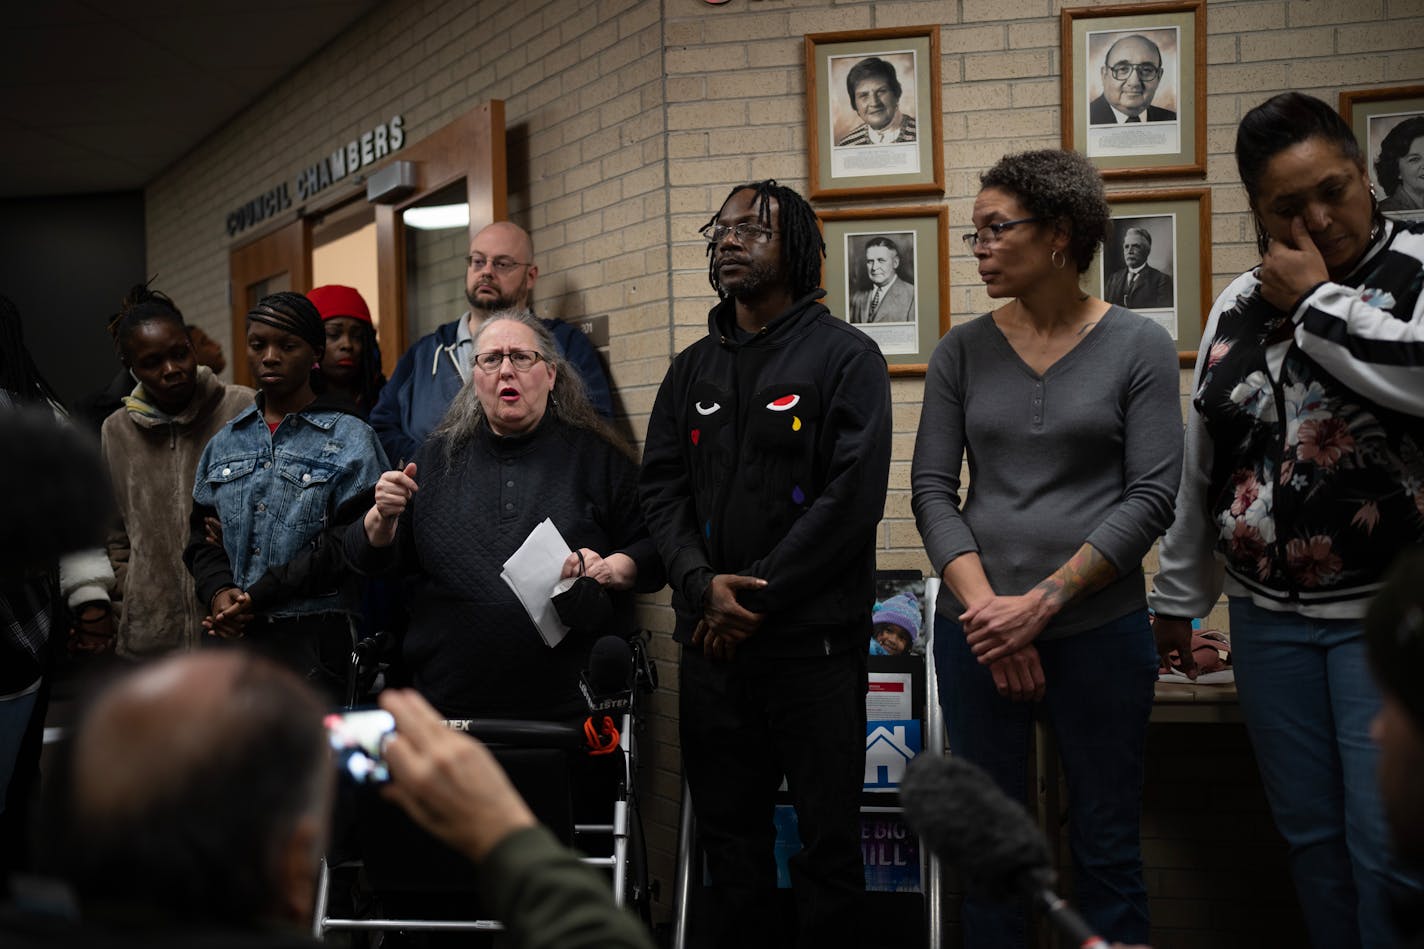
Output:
(500, 274)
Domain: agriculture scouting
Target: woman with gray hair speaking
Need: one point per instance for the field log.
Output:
(519, 444)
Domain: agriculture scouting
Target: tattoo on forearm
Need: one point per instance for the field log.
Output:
(1087, 570)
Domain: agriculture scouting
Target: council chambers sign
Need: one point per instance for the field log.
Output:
(367, 149)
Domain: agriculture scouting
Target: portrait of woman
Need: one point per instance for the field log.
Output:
(1399, 167)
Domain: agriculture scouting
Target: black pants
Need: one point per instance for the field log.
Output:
(744, 725)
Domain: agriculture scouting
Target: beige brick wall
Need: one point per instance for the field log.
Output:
(637, 116)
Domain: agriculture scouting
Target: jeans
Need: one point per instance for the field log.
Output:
(1099, 695)
(1308, 698)
(14, 720)
(744, 725)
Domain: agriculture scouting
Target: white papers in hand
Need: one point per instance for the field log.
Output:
(532, 572)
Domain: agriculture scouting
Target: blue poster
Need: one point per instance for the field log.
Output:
(889, 746)
(890, 848)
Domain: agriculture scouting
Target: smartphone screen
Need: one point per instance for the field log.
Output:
(358, 738)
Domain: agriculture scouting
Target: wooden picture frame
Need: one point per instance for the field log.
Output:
(1131, 127)
(892, 145)
(1391, 119)
(1177, 223)
(911, 243)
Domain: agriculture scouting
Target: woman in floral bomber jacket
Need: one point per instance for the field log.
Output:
(1304, 476)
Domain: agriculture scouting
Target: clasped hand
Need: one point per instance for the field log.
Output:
(725, 623)
(1000, 632)
(231, 612)
(616, 571)
(1001, 625)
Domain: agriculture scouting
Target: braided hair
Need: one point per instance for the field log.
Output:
(801, 245)
(370, 379)
(19, 376)
(293, 313)
(142, 305)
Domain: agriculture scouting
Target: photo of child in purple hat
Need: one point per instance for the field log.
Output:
(895, 625)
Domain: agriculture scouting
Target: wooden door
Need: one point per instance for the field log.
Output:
(279, 260)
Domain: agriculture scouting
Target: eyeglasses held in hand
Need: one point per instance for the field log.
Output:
(1147, 71)
(500, 265)
(990, 233)
(521, 359)
(745, 233)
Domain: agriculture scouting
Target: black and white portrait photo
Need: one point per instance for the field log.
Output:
(886, 274)
(873, 112)
(872, 103)
(881, 277)
(1138, 265)
(1132, 80)
(1396, 159)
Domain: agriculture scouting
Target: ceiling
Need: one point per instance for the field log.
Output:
(103, 96)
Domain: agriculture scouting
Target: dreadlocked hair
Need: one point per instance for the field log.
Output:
(142, 305)
(19, 376)
(802, 247)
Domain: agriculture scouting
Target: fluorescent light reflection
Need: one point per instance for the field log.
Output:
(441, 217)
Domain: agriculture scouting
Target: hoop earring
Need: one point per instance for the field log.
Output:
(1059, 259)
(1263, 237)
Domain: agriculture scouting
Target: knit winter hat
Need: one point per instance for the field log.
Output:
(334, 300)
(903, 610)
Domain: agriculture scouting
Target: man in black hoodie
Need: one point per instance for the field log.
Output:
(764, 478)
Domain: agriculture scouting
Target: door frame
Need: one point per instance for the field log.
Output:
(471, 146)
(285, 250)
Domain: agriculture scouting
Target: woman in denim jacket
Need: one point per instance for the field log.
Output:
(274, 476)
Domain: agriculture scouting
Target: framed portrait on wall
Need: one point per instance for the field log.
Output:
(1389, 124)
(1134, 87)
(1156, 261)
(884, 274)
(873, 107)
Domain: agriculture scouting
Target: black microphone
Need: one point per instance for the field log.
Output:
(607, 683)
(965, 819)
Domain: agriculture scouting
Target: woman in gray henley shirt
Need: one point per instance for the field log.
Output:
(1067, 411)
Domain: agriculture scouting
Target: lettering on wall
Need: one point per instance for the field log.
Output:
(346, 160)
(268, 204)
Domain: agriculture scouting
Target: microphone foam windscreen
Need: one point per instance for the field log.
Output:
(965, 819)
(610, 665)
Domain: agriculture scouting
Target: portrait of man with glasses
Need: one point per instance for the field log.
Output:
(1130, 76)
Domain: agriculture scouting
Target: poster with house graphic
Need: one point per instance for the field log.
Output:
(889, 746)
